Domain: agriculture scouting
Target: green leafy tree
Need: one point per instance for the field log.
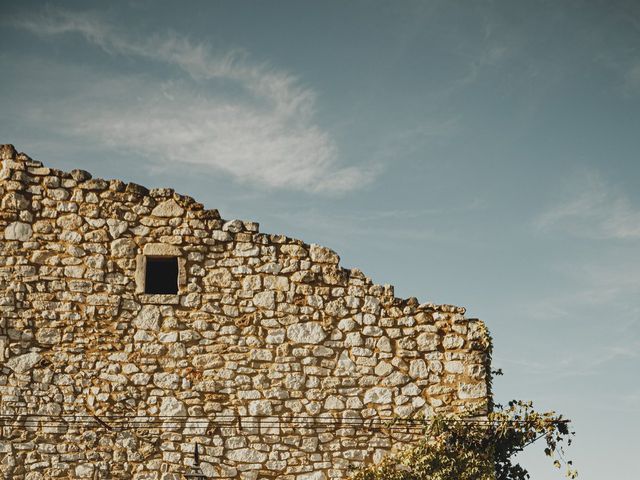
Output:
(476, 448)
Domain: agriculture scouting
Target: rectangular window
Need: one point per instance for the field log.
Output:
(161, 275)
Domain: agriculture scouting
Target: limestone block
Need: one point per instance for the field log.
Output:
(84, 470)
(353, 339)
(451, 342)
(168, 208)
(410, 390)
(265, 300)
(233, 226)
(418, 369)
(323, 254)
(383, 369)
(378, 395)
(148, 318)
(123, 247)
(246, 249)
(168, 381)
(116, 227)
(345, 365)
(172, 407)
(395, 379)
(23, 363)
(307, 332)
(435, 366)
(427, 342)
(48, 336)
(312, 476)
(247, 455)
(221, 236)
(333, 403)
(454, 367)
(80, 175)
(219, 277)
(260, 408)
(18, 231)
(467, 390)
(346, 324)
(275, 337)
(70, 221)
(384, 344)
(7, 152)
(295, 251)
(371, 304)
(140, 378)
(15, 201)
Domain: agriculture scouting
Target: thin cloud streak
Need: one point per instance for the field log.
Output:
(266, 135)
(597, 211)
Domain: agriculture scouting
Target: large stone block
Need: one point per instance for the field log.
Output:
(18, 231)
(307, 332)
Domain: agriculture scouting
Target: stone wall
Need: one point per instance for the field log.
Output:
(277, 361)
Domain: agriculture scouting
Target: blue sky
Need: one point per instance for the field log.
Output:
(483, 154)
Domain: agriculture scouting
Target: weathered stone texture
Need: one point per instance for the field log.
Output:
(271, 356)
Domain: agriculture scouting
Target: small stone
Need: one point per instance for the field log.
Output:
(295, 251)
(221, 236)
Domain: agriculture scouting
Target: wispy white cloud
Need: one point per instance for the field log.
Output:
(596, 210)
(222, 110)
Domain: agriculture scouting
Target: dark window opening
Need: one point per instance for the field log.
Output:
(161, 275)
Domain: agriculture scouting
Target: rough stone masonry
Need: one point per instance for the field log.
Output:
(277, 361)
